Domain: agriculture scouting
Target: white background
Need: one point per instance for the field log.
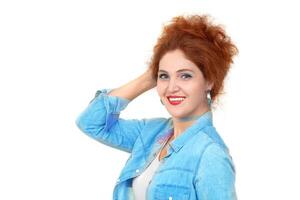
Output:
(55, 54)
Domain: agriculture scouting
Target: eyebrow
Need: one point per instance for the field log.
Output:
(161, 70)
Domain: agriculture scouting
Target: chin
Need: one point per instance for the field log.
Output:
(177, 115)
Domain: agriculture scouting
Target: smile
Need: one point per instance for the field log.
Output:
(175, 100)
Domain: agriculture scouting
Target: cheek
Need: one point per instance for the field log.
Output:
(197, 91)
(159, 90)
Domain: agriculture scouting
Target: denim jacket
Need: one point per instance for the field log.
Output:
(197, 165)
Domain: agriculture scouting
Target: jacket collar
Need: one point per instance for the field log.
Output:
(203, 121)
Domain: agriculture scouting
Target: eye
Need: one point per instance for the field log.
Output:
(186, 76)
(162, 76)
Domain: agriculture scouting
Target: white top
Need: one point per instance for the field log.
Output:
(141, 182)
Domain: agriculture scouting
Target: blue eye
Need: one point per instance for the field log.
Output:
(165, 76)
(162, 75)
(188, 76)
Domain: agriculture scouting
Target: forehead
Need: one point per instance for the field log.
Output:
(176, 61)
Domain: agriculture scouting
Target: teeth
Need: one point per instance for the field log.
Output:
(176, 99)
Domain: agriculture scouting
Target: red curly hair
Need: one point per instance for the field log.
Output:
(202, 42)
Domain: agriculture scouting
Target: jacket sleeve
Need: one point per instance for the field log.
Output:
(100, 120)
(215, 178)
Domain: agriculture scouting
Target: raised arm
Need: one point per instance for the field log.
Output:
(100, 120)
(135, 87)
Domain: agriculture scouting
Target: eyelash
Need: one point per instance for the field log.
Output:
(188, 76)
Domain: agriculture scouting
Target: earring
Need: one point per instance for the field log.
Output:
(162, 102)
(209, 97)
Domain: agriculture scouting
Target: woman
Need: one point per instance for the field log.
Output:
(182, 157)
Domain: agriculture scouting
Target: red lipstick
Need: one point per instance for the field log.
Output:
(175, 100)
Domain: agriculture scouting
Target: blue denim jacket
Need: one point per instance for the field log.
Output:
(197, 165)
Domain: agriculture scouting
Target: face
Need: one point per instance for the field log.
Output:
(181, 85)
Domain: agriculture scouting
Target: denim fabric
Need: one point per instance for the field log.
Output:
(197, 165)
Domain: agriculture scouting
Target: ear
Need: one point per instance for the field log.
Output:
(209, 85)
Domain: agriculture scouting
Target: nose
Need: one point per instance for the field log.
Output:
(172, 86)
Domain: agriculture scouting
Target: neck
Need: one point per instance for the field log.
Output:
(181, 124)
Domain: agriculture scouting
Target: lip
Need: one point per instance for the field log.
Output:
(175, 102)
(175, 96)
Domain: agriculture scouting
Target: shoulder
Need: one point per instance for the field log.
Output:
(215, 154)
(216, 163)
(208, 137)
(217, 150)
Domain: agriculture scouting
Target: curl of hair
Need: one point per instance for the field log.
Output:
(202, 42)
